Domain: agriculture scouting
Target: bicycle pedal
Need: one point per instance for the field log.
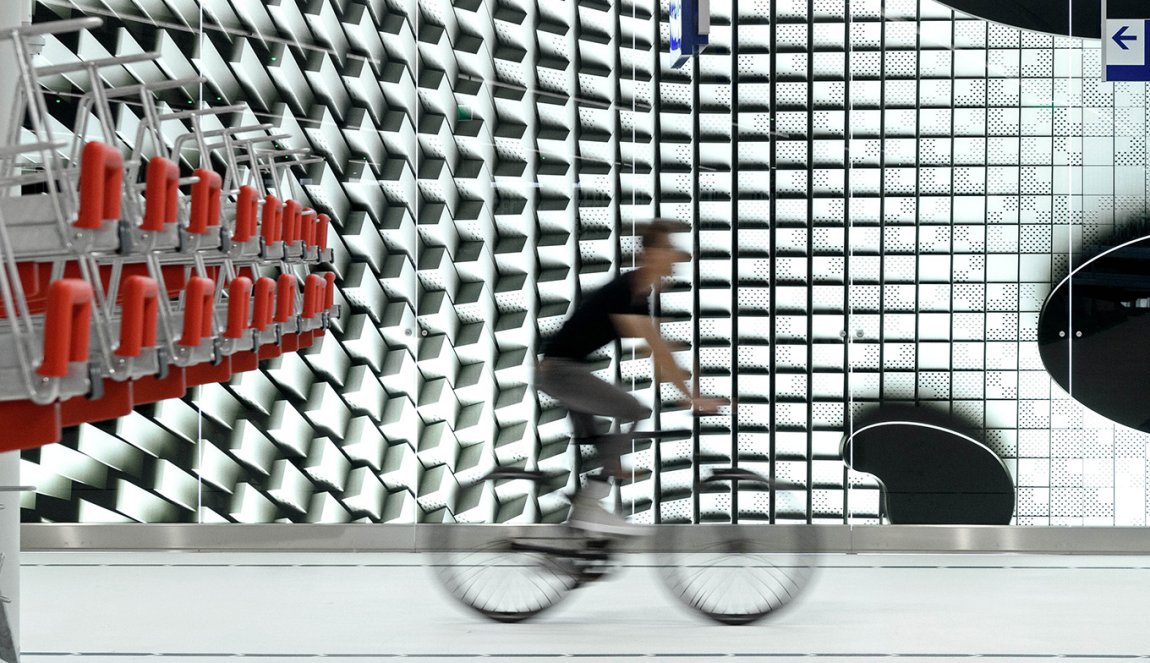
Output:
(595, 569)
(591, 575)
(597, 549)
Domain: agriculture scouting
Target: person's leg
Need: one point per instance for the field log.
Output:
(586, 431)
(576, 386)
(586, 396)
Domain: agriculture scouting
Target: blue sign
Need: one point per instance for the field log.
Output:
(675, 11)
(690, 26)
(682, 49)
(1126, 50)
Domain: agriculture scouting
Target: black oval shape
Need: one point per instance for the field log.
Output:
(1079, 18)
(931, 475)
(1093, 331)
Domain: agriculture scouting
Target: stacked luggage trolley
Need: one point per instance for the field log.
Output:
(125, 278)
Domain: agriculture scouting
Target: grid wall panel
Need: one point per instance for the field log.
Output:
(880, 195)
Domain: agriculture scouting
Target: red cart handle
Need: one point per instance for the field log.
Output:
(197, 311)
(205, 201)
(322, 223)
(101, 185)
(264, 303)
(293, 215)
(329, 291)
(67, 323)
(273, 219)
(286, 289)
(313, 296)
(308, 226)
(172, 188)
(161, 194)
(247, 208)
(141, 305)
(239, 302)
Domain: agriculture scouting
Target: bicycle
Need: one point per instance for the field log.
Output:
(514, 576)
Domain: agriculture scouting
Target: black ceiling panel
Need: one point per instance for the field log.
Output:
(1080, 18)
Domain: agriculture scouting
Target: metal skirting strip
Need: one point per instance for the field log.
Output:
(421, 538)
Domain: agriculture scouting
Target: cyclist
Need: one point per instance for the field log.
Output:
(620, 309)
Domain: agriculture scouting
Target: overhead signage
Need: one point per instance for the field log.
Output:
(1125, 44)
(690, 27)
(702, 24)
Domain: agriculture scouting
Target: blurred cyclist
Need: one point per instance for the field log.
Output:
(621, 309)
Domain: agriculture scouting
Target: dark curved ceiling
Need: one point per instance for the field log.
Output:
(1058, 17)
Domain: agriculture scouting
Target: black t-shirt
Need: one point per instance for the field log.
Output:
(590, 328)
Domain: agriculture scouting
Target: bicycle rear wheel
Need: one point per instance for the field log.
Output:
(505, 573)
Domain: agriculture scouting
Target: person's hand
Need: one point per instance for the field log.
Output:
(705, 405)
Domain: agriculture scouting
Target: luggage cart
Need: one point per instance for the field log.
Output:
(130, 275)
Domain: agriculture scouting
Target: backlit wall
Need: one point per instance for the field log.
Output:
(881, 192)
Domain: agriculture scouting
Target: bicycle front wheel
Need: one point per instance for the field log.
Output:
(728, 582)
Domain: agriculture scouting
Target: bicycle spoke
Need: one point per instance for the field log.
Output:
(505, 584)
(768, 586)
(734, 587)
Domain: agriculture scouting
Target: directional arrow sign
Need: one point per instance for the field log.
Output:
(1125, 40)
(1121, 38)
(1126, 49)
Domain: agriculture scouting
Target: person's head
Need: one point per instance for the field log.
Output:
(659, 253)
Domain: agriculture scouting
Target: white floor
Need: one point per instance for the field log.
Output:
(281, 607)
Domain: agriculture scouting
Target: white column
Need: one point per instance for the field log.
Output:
(12, 13)
(10, 544)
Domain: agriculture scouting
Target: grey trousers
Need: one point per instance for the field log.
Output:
(586, 396)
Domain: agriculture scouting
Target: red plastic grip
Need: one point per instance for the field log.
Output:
(205, 201)
(322, 223)
(239, 302)
(293, 216)
(67, 323)
(273, 219)
(197, 311)
(313, 296)
(113, 183)
(141, 306)
(172, 191)
(101, 185)
(286, 289)
(307, 228)
(247, 208)
(264, 309)
(329, 291)
(161, 194)
(215, 201)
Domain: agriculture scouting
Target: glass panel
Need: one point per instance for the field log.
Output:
(752, 238)
(1089, 337)
(639, 61)
(865, 159)
(935, 131)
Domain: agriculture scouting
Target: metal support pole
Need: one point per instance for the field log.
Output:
(13, 13)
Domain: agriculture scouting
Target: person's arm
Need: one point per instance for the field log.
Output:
(639, 326)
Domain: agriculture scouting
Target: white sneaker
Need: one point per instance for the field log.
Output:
(588, 515)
